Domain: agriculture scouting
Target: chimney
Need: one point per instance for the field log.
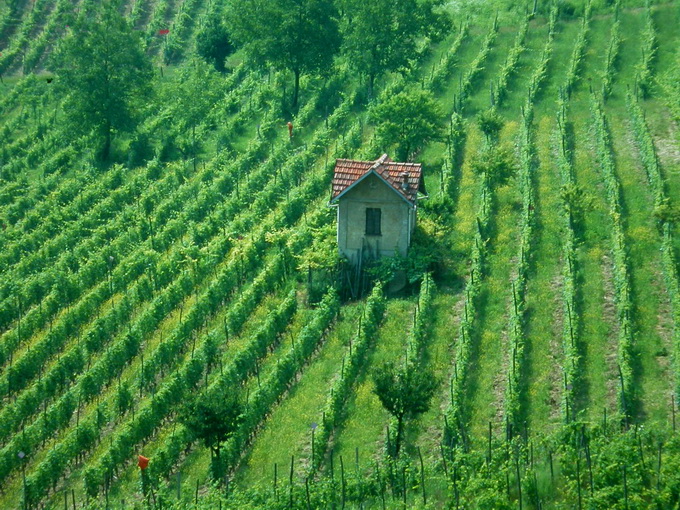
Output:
(404, 181)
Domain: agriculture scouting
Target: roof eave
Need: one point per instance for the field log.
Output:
(372, 171)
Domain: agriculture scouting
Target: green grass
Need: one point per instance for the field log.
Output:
(543, 297)
(287, 431)
(364, 426)
(489, 362)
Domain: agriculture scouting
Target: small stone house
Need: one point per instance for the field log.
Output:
(376, 205)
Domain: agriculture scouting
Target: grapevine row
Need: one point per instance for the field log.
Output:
(576, 62)
(294, 205)
(645, 74)
(570, 323)
(477, 65)
(612, 55)
(509, 67)
(242, 365)
(541, 72)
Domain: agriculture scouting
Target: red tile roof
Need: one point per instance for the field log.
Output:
(349, 171)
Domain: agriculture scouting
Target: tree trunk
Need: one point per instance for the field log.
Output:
(215, 463)
(296, 90)
(106, 150)
(400, 433)
(193, 146)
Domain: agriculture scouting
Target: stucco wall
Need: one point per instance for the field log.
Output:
(397, 220)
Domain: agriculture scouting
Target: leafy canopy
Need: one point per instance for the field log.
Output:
(497, 162)
(404, 391)
(383, 35)
(491, 123)
(301, 36)
(103, 74)
(213, 44)
(212, 419)
(408, 120)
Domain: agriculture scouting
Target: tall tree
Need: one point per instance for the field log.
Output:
(382, 35)
(103, 73)
(405, 392)
(298, 35)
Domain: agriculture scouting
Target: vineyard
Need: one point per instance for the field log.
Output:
(149, 269)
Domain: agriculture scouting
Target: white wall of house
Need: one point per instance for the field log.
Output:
(397, 220)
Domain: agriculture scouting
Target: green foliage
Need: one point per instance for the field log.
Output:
(342, 385)
(383, 35)
(572, 202)
(611, 58)
(541, 72)
(622, 283)
(124, 398)
(104, 76)
(300, 36)
(477, 65)
(404, 391)
(575, 200)
(213, 44)
(407, 120)
(441, 73)
(212, 419)
(665, 212)
(497, 162)
(510, 65)
(576, 62)
(491, 123)
(645, 75)
(670, 84)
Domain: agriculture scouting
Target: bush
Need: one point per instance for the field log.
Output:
(213, 44)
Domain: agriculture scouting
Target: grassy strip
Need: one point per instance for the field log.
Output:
(650, 161)
(516, 325)
(620, 259)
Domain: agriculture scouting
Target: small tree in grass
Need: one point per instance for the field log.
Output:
(497, 162)
(491, 123)
(213, 420)
(405, 392)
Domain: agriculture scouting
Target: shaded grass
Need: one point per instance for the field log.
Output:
(544, 288)
(364, 427)
(488, 378)
(287, 431)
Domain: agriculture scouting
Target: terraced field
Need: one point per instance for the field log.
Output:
(551, 322)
